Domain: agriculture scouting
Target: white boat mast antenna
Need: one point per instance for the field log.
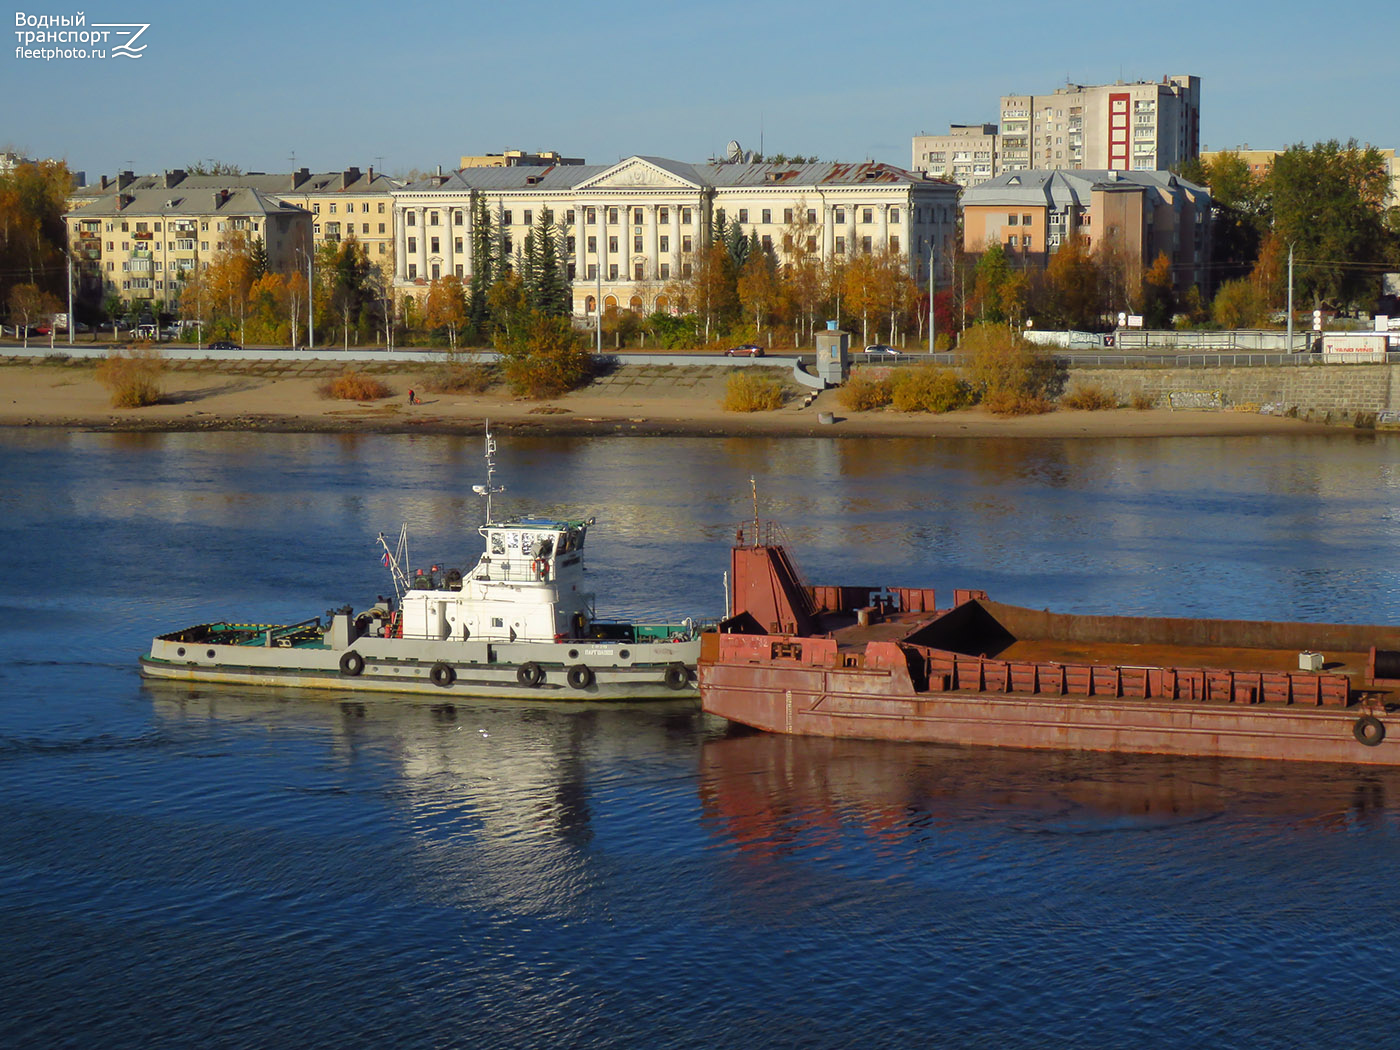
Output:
(395, 560)
(489, 489)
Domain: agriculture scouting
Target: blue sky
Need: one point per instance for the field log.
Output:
(418, 84)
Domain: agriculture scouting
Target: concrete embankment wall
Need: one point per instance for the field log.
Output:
(1333, 393)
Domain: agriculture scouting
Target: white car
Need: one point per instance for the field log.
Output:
(880, 350)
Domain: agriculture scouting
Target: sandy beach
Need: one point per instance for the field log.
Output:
(641, 400)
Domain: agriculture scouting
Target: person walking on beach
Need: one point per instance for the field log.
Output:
(412, 398)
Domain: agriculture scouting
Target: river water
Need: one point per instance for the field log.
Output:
(225, 867)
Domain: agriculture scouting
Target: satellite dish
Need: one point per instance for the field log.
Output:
(734, 151)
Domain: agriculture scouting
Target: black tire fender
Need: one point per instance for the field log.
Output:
(677, 676)
(351, 664)
(442, 674)
(580, 676)
(529, 674)
(1368, 730)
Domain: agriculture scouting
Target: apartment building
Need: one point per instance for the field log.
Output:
(1139, 126)
(1143, 213)
(966, 155)
(343, 203)
(639, 224)
(140, 245)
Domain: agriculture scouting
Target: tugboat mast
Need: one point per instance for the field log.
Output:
(489, 489)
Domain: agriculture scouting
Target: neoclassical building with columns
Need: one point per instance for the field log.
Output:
(637, 225)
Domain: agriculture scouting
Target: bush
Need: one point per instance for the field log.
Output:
(1001, 362)
(1090, 398)
(355, 386)
(862, 393)
(133, 379)
(748, 392)
(460, 374)
(1015, 403)
(544, 357)
(1142, 402)
(928, 388)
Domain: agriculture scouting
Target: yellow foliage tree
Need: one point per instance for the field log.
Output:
(445, 306)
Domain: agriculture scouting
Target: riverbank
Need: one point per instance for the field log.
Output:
(284, 396)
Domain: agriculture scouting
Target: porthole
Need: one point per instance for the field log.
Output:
(623, 654)
(180, 651)
(573, 654)
(210, 654)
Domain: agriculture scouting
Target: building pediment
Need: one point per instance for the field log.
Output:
(642, 173)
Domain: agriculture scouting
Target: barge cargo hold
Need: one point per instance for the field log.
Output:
(886, 663)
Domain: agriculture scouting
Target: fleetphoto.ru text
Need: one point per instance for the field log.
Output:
(48, 37)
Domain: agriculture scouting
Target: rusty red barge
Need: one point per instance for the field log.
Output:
(886, 663)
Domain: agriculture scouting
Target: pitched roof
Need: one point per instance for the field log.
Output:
(714, 175)
(1060, 187)
(177, 201)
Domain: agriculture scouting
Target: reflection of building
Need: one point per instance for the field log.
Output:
(140, 245)
(1144, 213)
(641, 223)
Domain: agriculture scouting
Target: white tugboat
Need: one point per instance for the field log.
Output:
(519, 624)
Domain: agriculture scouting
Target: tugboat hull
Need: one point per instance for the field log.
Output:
(572, 670)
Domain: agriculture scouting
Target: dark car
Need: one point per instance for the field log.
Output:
(747, 350)
(224, 344)
(881, 350)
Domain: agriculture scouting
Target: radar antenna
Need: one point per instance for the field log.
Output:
(489, 489)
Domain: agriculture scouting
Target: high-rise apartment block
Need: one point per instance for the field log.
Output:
(1140, 126)
(966, 155)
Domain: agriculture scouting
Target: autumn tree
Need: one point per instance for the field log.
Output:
(28, 304)
(758, 286)
(860, 287)
(712, 287)
(506, 303)
(1071, 287)
(1158, 293)
(445, 306)
(1120, 274)
(32, 231)
(344, 287)
(543, 356)
(267, 308)
(999, 293)
(224, 284)
(1239, 303)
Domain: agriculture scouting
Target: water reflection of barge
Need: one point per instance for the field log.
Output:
(771, 792)
(881, 663)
